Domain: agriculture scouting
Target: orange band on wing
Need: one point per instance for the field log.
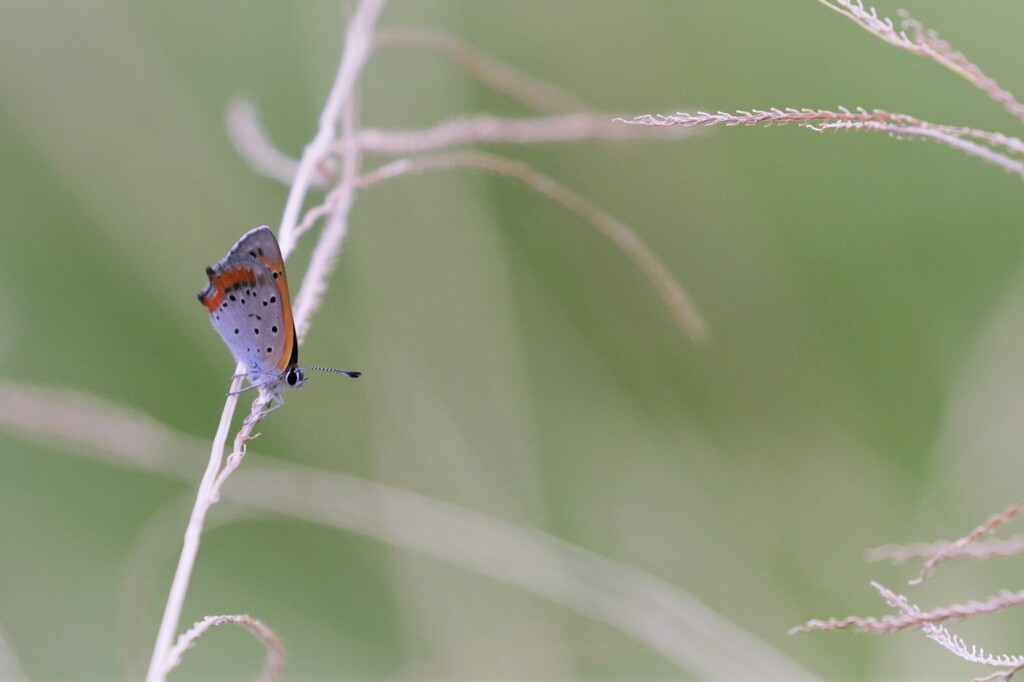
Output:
(220, 282)
(277, 270)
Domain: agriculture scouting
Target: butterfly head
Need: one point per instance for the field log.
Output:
(294, 378)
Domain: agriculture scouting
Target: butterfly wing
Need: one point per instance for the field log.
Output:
(247, 297)
(260, 243)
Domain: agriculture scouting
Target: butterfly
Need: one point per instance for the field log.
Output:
(247, 297)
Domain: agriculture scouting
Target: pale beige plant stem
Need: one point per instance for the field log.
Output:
(358, 40)
(672, 295)
(954, 549)
(900, 126)
(944, 638)
(662, 616)
(928, 622)
(358, 43)
(248, 137)
(521, 131)
(875, 626)
(1000, 675)
(981, 549)
(982, 152)
(257, 413)
(310, 171)
(190, 546)
(925, 43)
(325, 255)
(532, 92)
(995, 148)
(675, 299)
(903, 126)
(754, 117)
(139, 574)
(273, 668)
(10, 667)
(254, 146)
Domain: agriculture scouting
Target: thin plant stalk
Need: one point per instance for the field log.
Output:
(358, 41)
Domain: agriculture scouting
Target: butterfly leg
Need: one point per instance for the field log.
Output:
(241, 390)
(274, 402)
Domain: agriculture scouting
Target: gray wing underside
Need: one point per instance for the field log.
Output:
(250, 319)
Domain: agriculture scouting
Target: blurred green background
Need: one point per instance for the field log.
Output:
(863, 383)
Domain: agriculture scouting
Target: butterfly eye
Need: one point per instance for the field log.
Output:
(294, 376)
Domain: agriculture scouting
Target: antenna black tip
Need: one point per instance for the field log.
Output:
(346, 372)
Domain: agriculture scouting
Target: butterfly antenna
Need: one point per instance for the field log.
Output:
(346, 372)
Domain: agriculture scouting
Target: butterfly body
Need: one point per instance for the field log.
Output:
(249, 305)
